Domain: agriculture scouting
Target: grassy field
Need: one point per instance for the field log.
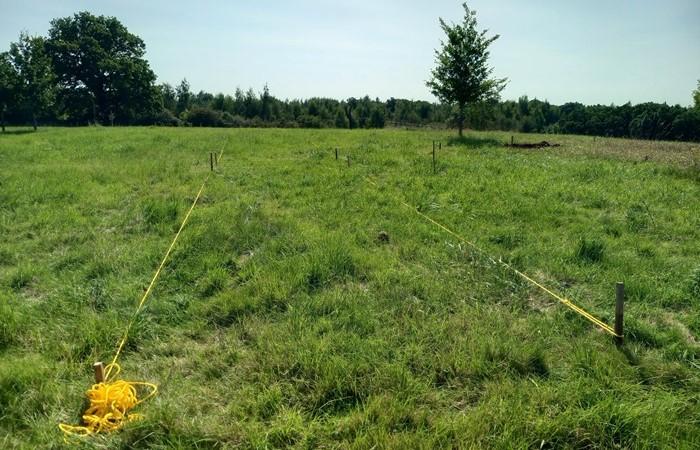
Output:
(284, 320)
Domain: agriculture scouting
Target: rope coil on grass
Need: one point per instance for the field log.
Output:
(110, 402)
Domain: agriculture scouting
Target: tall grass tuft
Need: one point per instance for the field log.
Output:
(694, 283)
(590, 250)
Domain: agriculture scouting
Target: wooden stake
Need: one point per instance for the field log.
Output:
(99, 369)
(440, 145)
(348, 160)
(336, 154)
(434, 157)
(511, 140)
(211, 161)
(619, 311)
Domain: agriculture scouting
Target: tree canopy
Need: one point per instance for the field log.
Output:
(462, 75)
(8, 87)
(100, 64)
(33, 79)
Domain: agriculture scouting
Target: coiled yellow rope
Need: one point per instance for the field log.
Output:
(110, 402)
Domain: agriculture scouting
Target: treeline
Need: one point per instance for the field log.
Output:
(91, 70)
(642, 121)
(248, 109)
(251, 109)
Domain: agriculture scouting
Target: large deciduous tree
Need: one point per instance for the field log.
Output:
(98, 61)
(34, 84)
(462, 76)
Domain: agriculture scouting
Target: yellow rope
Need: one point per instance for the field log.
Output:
(565, 301)
(111, 400)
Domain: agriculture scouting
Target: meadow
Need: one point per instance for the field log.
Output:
(306, 307)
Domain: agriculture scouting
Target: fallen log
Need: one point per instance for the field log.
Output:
(542, 144)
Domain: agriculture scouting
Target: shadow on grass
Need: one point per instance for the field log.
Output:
(472, 142)
(630, 355)
(15, 132)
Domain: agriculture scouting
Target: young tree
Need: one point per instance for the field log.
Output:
(184, 96)
(35, 78)
(218, 103)
(167, 93)
(252, 104)
(696, 96)
(462, 76)
(265, 104)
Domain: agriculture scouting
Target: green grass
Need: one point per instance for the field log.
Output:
(285, 317)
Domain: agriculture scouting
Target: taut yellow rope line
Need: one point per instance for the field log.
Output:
(565, 301)
(158, 271)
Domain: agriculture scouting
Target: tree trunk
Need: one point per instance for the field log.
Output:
(2, 118)
(460, 120)
(34, 121)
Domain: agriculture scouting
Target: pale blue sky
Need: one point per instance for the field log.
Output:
(593, 51)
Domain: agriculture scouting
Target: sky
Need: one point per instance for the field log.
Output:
(593, 51)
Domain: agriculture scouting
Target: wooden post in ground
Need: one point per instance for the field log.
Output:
(336, 154)
(348, 160)
(211, 161)
(511, 140)
(434, 169)
(99, 369)
(619, 312)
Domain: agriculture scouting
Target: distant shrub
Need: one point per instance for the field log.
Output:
(686, 126)
(237, 121)
(307, 121)
(227, 119)
(166, 118)
(204, 117)
(590, 250)
(256, 122)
